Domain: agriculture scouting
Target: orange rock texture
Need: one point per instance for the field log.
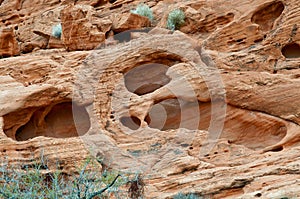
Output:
(210, 109)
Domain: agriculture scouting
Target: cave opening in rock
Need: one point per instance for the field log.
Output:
(177, 113)
(266, 15)
(146, 78)
(56, 121)
(131, 122)
(291, 50)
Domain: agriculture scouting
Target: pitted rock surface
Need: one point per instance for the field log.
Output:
(142, 96)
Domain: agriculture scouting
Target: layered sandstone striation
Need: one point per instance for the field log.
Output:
(210, 109)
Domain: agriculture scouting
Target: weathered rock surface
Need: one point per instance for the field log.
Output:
(80, 32)
(130, 21)
(8, 43)
(226, 127)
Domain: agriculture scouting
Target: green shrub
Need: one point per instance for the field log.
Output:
(57, 30)
(175, 19)
(36, 181)
(143, 10)
(186, 196)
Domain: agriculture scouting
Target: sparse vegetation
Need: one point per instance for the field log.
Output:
(175, 19)
(57, 31)
(136, 188)
(186, 196)
(143, 10)
(38, 181)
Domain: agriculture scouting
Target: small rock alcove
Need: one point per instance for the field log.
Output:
(126, 36)
(56, 121)
(291, 50)
(146, 78)
(174, 114)
(266, 15)
(131, 122)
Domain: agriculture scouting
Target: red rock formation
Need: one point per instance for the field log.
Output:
(79, 32)
(8, 43)
(211, 109)
(129, 21)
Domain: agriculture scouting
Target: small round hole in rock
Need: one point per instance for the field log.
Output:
(277, 149)
(291, 50)
(258, 195)
(131, 122)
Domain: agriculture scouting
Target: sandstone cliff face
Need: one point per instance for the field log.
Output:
(211, 109)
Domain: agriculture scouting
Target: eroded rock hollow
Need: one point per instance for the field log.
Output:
(210, 109)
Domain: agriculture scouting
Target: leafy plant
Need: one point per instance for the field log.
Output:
(175, 19)
(57, 30)
(143, 10)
